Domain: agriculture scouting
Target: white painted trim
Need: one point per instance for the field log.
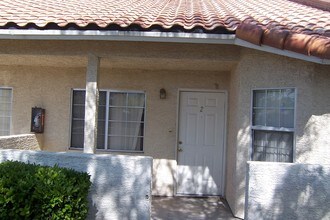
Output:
(203, 90)
(117, 36)
(224, 159)
(106, 129)
(295, 126)
(149, 36)
(286, 53)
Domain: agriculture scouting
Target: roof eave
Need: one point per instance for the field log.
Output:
(286, 53)
(172, 37)
(117, 36)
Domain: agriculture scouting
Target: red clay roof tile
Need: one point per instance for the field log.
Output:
(276, 18)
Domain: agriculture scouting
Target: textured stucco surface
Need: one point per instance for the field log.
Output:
(287, 191)
(91, 104)
(50, 70)
(22, 142)
(121, 185)
(48, 80)
(263, 70)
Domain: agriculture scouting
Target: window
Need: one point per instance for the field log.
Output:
(5, 110)
(120, 120)
(273, 125)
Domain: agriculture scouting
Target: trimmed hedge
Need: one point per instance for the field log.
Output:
(30, 191)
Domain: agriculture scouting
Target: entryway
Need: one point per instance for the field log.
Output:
(201, 143)
(189, 208)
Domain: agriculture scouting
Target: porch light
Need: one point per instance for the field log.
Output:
(162, 93)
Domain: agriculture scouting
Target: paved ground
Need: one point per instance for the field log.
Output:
(176, 208)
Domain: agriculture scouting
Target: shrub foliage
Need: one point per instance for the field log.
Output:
(30, 191)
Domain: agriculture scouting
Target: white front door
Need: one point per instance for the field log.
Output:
(201, 143)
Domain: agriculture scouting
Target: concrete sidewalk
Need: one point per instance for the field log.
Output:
(176, 208)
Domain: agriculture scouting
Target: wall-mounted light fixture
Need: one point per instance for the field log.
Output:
(162, 93)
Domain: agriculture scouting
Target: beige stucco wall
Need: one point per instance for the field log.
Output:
(42, 76)
(263, 70)
(48, 81)
(161, 115)
(21, 142)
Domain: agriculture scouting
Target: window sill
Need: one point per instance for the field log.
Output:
(269, 128)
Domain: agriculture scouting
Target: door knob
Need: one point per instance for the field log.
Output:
(180, 142)
(180, 149)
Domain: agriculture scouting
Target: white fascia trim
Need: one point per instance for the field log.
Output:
(286, 53)
(172, 37)
(117, 36)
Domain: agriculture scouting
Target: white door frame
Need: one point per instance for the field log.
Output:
(223, 182)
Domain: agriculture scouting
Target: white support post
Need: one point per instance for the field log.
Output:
(91, 104)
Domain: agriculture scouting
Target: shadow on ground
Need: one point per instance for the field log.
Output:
(177, 208)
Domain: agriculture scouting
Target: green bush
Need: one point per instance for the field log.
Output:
(29, 191)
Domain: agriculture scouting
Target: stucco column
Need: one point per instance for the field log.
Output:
(91, 104)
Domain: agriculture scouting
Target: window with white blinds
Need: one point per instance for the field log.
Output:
(273, 116)
(5, 110)
(120, 120)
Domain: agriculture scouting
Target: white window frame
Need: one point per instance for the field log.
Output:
(11, 107)
(270, 128)
(108, 91)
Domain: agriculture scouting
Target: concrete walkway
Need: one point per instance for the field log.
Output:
(176, 208)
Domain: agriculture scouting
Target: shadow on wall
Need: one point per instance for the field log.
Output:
(288, 191)
(165, 171)
(121, 185)
(313, 142)
(243, 143)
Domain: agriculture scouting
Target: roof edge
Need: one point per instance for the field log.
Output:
(170, 37)
(117, 36)
(286, 53)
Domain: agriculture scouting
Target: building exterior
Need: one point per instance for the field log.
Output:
(202, 90)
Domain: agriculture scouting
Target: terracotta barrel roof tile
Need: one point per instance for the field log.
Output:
(319, 47)
(298, 43)
(275, 37)
(250, 32)
(257, 21)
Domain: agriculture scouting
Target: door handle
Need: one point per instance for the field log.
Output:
(180, 142)
(180, 149)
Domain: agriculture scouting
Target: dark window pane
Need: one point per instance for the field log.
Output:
(135, 99)
(102, 98)
(287, 118)
(77, 140)
(100, 141)
(259, 98)
(78, 111)
(273, 98)
(273, 117)
(288, 98)
(101, 112)
(272, 146)
(117, 128)
(118, 99)
(79, 97)
(117, 114)
(259, 117)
